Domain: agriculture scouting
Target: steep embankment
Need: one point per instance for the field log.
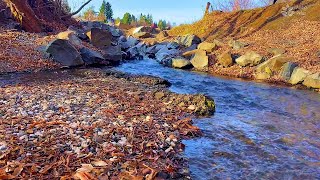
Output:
(294, 27)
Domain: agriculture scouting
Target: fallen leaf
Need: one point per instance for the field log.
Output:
(84, 176)
(85, 168)
(99, 163)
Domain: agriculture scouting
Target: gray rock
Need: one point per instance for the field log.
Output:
(100, 38)
(115, 31)
(173, 45)
(298, 75)
(180, 62)
(191, 48)
(63, 52)
(133, 53)
(249, 59)
(200, 61)
(91, 57)
(113, 54)
(130, 42)
(287, 70)
(165, 52)
(152, 50)
(188, 40)
(70, 36)
(122, 39)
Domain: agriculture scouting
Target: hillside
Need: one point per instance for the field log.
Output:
(289, 26)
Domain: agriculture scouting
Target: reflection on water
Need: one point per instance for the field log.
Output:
(259, 131)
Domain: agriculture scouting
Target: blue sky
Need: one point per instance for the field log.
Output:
(178, 11)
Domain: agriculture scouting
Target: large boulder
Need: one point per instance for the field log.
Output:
(180, 63)
(200, 61)
(165, 55)
(128, 43)
(287, 70)
(133, 53)
(225, 59)
(312, 81)
(236, 45)
(298, 75)
(63, 52)
(188, 40)
(249, 59)
(173, 45)
(115, 31)
(142, 48)
(91, 57)
(165, 51)
(113, 54)
(273, 65)
(190, 54)
(208, 47)
(70, 36)
(99, 37)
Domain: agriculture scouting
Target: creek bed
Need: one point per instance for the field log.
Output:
(259, 131)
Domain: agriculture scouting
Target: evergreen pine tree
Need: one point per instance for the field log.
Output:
(127, 18)
(102, 11)
(108, 11)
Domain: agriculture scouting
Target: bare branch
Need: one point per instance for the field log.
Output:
(76, 12)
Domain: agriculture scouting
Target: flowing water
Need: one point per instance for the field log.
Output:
(259, 131)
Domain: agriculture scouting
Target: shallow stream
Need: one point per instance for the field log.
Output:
(259, 131)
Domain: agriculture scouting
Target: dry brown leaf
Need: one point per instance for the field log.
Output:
(99, 163)
(84, 176)
(85, 168)
(18, 170)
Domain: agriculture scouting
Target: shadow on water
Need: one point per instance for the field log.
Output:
(259, 131)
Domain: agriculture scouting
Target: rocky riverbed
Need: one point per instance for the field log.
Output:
(94, 124)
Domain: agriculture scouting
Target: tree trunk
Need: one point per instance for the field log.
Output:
(24, 14)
